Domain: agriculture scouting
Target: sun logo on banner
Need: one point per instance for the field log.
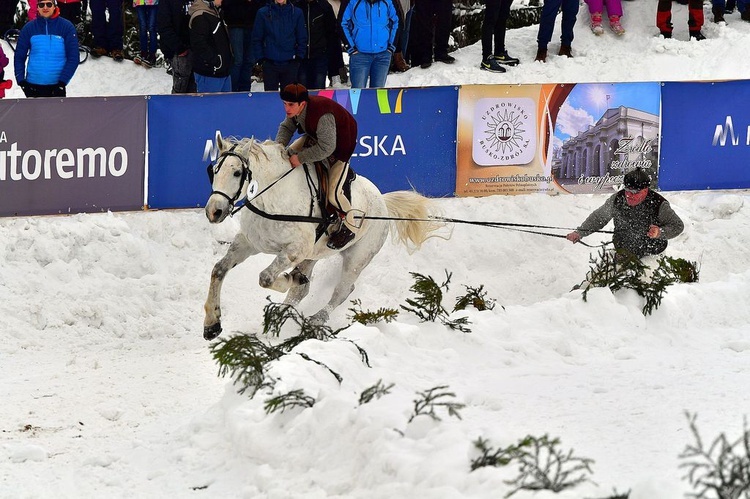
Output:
(504, 132)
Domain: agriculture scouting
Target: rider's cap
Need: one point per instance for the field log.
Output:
(637, 179)
(294, 92)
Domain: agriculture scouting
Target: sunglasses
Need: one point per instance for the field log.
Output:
(45, 5)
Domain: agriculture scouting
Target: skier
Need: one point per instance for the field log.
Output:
(643, 219)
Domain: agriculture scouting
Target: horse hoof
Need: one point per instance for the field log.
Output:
(211, 332)
(320, 318)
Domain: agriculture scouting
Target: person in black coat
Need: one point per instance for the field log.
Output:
(210, 48)
(322, 41)
(174, 40)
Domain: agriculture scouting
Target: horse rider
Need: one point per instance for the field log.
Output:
(329, 135)
(643, 219)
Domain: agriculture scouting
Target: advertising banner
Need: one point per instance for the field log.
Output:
(406, 138)
(709, 149)
(72, 155)
(571, 138)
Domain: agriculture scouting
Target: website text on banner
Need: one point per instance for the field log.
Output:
(709, 149)
(407, 138)
(572, 138)
(72, 155)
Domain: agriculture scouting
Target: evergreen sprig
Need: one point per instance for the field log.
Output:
(621, 269)
(543, 466)
(367, 317)
(476, 297)
(433, 399)
(244, 358)
(495, 457)
(376, 391)
(721, 470)
(294, 398)
(428, 304)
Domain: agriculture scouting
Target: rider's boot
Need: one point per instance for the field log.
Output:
(340, 238)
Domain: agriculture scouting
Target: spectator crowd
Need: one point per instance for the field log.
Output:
(223, 45)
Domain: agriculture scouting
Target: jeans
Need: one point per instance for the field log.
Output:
(313, 71)
(242, 66)
(107, 31)
(212, 84)
(183, 81)
(373, 66)
(147, 27)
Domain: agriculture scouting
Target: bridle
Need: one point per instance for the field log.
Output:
(246, 175)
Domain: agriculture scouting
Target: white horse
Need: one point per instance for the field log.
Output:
(247, 168)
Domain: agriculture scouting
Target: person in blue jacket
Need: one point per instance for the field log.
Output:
(279, 43)
(370, 29)
(47, 53)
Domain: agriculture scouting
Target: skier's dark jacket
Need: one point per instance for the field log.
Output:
(632, 223)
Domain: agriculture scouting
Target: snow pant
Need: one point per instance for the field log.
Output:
(547, 21)
(107, 31)
(277, 75)
(430, 20)
(614, 7)
(496, 13)
(664, 15)
(183, 80)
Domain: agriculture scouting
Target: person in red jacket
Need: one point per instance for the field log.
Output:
(329, 137)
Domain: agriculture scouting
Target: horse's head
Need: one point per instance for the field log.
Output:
(230, 176)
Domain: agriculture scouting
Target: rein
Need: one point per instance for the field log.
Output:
(356, 219)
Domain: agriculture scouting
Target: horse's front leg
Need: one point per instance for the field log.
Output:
(237, 253)
(272, 276)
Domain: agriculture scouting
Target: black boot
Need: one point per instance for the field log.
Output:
(718, 14)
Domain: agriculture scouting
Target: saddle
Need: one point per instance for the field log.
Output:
(333, 217)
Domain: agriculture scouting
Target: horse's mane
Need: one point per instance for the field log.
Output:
(254, 150)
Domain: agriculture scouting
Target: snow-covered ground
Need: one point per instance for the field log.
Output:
(109, 390)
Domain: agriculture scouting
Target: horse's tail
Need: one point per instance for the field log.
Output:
(414, 212)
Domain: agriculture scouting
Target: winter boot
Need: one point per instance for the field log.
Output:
(745, 15)
(492, 65)
(718, 14)
(596, 23)
(729, 8)
(541, 55)
(399, 64)
(615, 26)
(117, 55)
(697, 36)
(97, 52)
(565, 50)
(506, 59)
(138, 59)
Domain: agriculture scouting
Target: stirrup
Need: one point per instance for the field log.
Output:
(355, 218)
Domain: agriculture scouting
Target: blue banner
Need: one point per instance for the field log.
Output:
(705, 136)
(407, 138)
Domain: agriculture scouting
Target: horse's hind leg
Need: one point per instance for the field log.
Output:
(237, 253)
(355, 260)
(301, 276)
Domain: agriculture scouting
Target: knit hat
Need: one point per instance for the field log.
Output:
(637, 179)
(294, 92)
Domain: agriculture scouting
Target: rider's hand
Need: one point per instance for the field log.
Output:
(294, 160)
(654, 231)
(573, 237)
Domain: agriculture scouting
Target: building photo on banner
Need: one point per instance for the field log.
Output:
(109, 389)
